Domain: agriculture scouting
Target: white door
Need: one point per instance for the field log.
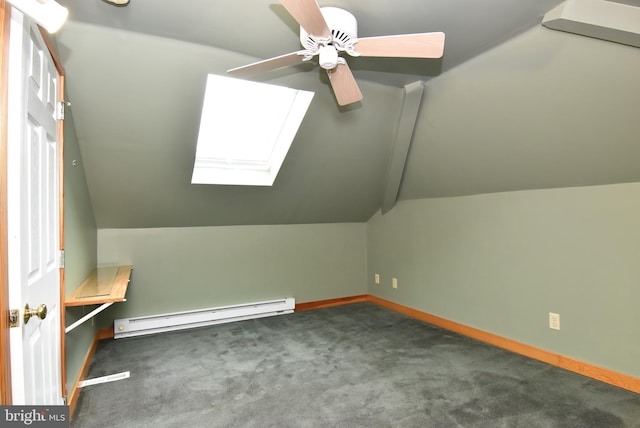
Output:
(33, 215)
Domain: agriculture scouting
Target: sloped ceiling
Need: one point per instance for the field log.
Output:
(511, 105)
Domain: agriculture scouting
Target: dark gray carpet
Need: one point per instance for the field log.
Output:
(357, 365)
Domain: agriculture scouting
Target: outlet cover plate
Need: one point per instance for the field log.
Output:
(554, 321)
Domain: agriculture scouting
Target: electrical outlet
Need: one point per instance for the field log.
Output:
(554, 321)
(394, 282)
(376, 278)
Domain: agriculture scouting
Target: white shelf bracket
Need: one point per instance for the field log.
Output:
(91, 314)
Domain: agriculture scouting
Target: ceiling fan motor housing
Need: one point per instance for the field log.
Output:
(344, 31)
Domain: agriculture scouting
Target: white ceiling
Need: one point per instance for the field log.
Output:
(511, 106)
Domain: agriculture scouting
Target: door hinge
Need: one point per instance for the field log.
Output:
(61, 259)
(14, 318)
(60, 108)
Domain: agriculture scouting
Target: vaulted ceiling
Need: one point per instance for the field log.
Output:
(511, 105)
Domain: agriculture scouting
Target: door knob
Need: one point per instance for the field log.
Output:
(41, 312)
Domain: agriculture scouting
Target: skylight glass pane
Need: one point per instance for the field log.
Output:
(246, 130)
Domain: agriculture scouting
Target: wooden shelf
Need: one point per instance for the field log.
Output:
(105, 284)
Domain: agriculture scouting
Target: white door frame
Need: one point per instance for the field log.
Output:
(5, 353)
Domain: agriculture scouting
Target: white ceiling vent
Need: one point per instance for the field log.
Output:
(246, 130)
(608, 20)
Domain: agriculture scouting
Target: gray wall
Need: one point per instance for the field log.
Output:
(502, 262)
(497, 262)
(80, 239)
(177, 269)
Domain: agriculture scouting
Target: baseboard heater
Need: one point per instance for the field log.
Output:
(199, 318)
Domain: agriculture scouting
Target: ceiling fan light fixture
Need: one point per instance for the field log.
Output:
(328, 58)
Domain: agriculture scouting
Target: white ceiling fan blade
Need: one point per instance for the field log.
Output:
(420, 45)
(344, 85)
(268, 64)
(308, 15)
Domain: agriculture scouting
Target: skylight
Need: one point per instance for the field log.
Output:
(246, 130)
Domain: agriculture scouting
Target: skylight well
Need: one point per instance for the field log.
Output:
(246, 130)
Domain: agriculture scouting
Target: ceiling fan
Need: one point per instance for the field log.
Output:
(328, 31)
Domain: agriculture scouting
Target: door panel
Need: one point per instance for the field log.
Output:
(34, 225)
